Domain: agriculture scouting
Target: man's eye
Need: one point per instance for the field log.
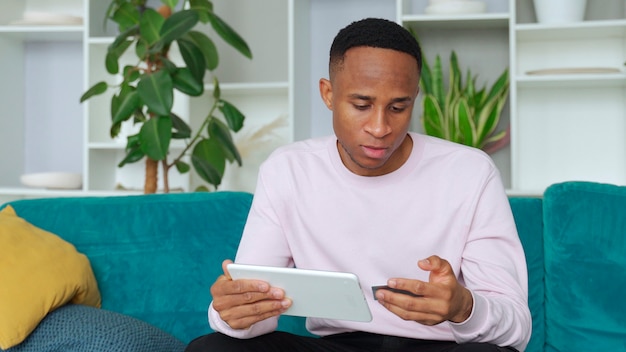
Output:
(361, 107)
(398, 108)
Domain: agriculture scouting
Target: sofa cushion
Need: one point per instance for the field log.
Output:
(528, 219)
(39, 272)
(77, 328)
(585, 250)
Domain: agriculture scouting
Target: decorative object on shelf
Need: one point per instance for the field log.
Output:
(455, 7)
(463, 114)
(53, 180)
(48, 18)
(146, 93)
(559, 11)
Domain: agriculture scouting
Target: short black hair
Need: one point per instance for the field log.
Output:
(376, 33)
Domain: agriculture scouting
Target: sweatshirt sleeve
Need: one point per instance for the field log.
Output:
(494, 270)
(260, 328)
(262, 243)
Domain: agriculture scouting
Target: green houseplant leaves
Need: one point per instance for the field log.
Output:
(145, 95)
(462, 113)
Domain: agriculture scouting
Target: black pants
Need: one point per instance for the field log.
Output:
(348, 342)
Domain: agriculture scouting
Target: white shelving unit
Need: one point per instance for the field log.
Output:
(261, 88)
(563, 127)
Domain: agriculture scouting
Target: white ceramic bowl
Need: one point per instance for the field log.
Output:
(456, 7)
(53, 180)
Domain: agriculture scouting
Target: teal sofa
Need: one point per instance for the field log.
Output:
(155, 257)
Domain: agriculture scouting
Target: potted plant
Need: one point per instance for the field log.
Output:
(463, 113)
(146, 92)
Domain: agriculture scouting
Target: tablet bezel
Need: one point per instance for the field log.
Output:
(314, 293)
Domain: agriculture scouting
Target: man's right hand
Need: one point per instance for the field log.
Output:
(242, 303)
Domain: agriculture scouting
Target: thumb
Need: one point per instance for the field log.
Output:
(225, 268)
(437, 266)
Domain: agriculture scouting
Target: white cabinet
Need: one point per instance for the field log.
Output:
(565, 125)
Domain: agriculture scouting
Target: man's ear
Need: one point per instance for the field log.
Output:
(326, 92)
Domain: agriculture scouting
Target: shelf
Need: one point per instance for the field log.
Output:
(251, 88)
(43, 33)
(582, 30)
(483, 20)
(572, 80)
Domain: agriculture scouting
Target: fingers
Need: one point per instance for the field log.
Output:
(442, 297)
(242, 303)
(243, 316)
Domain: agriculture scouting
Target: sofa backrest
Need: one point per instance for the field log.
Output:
(154, 256)
(585, 265)
(528, 214)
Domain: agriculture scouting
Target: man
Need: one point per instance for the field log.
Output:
(412, 211)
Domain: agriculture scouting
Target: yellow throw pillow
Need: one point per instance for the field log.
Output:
(39, 272)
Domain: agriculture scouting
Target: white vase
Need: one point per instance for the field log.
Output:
(560, 11)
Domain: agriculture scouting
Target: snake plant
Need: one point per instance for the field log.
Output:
(462, 113)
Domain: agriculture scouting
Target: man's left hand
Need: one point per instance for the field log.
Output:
(443, 298)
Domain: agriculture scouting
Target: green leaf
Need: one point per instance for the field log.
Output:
(133, 151)
(185, 82)
(201, 188)
(217, 92)
(426, 77)
(157, 92)
(113, 55)
(233, 116)
(464, 123)
(96, 89)
(127, 106)
(155, 136)
(501, 86)
(437, 82)
(432, 118)
(455, 73)
(122, 37)
(141, 50)
(229, 35)
(180, 126)
(111, 63)
(171, 3)
(131, 73)
(150, 25)
(219, 131)
(208, 48)
(203, 7)
(193, 57)
(208, 161)
(182, 167)
(132, 156)
(126, 16)
(177, 25)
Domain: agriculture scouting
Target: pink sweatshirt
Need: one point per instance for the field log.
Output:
(446, 200)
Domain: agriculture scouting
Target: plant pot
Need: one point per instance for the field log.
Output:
(559, 11)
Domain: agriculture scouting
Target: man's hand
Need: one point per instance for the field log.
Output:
(443, 298)
(242, 303)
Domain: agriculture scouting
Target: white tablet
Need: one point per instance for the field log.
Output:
(314, 293)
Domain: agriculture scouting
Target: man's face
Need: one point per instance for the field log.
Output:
(372, 97)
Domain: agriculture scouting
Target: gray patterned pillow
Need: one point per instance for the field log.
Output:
(77, 328)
